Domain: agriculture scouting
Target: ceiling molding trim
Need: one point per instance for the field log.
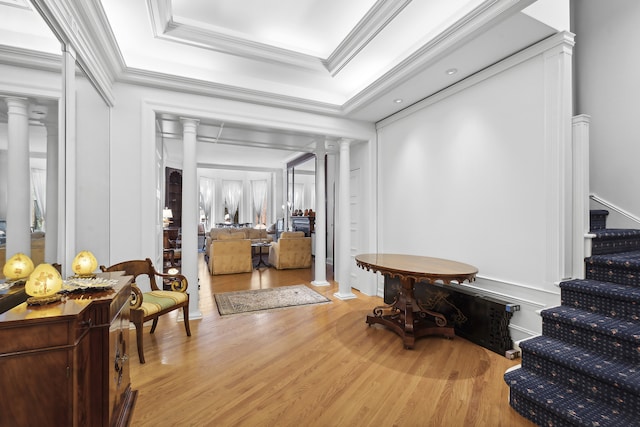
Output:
(26, 58)
(237, 142)
(475, 22)
(236, 168)
(376, 19)
(254, 144)
(560, 40)
(69, 24)
(166, 28)
(21, 4)
(199, 87)
(103, 36)
(160, 15)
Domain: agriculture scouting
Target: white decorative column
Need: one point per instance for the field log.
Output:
(19, 178)
(67, 174)
(51, 215)
(581, 241)
(558, 164)
(189, 263)
(320, 265)
(285, 204)
(343, 236)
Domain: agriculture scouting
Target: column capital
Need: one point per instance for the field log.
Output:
(189, 124)
(16, 104)
(321, 148)
(345, 142)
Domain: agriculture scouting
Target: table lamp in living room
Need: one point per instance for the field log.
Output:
(167, 215)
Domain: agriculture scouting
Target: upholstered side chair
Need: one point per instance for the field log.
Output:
(151, 305)
(292, 250)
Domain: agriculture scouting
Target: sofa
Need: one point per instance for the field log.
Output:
(228, 250)
(292, 250)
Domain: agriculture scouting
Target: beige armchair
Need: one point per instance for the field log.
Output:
(292, 250)
(230, 254)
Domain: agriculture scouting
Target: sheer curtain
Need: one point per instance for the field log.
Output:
(39, 185)
(298, 196)
(312, 203)
(207, 188)
(259, 193)
(232, 193)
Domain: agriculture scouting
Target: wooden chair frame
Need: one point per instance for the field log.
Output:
(177, 282)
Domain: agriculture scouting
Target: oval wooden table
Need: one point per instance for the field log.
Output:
(405, 316)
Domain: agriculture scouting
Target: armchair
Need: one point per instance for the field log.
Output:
(292, 250)
(230, 254)
(151, 305)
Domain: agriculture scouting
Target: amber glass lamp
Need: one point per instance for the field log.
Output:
(84, 264)
(43, 285)
(17, 268)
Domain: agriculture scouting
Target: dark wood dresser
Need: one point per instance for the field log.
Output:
(67, 363)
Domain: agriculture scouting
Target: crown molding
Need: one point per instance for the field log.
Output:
(473, 23)
(26, 58)
(236, 168)
(560, 42)
(376, 19)
(204, 88)
(75, 24)
(166, 28)
(21, 4)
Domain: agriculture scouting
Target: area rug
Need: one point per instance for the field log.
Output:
(267, 299)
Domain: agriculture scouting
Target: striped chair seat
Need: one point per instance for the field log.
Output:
(156, 301)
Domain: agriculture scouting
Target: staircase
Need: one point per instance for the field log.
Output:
(584, 370)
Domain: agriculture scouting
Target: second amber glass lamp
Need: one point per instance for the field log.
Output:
(18, 267)
(43, 285)
(84, 264)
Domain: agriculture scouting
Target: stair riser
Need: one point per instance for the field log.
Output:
(533, 411)
(616, 246)
(590, 386)
(594, 341)
(628, 310)
(607, 273)
(598, 220)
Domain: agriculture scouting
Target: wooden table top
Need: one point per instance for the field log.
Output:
(420, 268)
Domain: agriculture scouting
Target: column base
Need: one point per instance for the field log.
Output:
(344, 296)
(320, 283)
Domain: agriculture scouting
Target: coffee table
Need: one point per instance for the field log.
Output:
(406, 316)
(257, 248)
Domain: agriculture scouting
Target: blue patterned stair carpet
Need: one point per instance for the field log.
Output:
(584, 370)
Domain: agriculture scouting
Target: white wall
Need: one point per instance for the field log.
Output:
(92, 172)
(608, 89)
(465, 176)
(461, 179)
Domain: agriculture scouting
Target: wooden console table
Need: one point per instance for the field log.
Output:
(66, 363)
(405, 316)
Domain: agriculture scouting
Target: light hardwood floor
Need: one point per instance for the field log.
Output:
(311, 366)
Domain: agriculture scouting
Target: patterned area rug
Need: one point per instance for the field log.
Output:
(267, 299)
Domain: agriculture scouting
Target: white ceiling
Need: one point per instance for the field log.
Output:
(344, 58)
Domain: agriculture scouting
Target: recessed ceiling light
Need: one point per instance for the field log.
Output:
(451, 71)
(397, 100)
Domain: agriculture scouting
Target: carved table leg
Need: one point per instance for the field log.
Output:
(408, 319)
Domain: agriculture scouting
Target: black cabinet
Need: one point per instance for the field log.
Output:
(303, 223)
(173, 195)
